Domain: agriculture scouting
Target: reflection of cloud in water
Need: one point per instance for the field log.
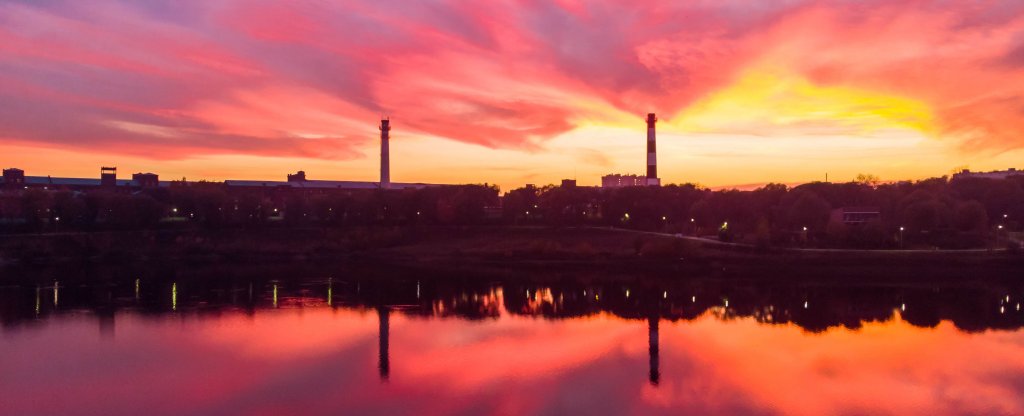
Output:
(511, 347)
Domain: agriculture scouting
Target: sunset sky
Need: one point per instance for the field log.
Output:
(512, 91)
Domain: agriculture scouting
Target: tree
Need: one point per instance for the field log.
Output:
(867, 179)
(807, 209)
(925, 215)
(35, 206)
(970, 216)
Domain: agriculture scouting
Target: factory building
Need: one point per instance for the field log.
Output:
(298, 180)
(622, 181)
(996, 174)
(14, 178)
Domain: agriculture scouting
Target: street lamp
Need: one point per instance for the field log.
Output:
(901, 237)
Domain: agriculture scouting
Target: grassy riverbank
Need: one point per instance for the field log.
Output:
(439, 245)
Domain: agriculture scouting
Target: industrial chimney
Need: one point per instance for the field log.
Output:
(385, 159)
(652, 154)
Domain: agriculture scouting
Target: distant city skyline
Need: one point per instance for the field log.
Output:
(512, 93)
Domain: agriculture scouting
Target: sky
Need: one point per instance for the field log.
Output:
(511, 92)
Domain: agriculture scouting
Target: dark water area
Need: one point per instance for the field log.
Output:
(297, 339)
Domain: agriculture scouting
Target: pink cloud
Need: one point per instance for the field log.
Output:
(496, 74)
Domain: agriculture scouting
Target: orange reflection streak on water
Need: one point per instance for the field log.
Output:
(892, 367)
(322, 360)
(283, 336)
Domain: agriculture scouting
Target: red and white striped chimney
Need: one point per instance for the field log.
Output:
(652, 154)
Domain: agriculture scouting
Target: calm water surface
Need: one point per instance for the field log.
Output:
(339, 342)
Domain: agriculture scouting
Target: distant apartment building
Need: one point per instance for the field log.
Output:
(622, 181)
(14, 177)
(146, 180)
(856, 215)
(996, 174)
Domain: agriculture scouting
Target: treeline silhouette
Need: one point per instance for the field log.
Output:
(938, 212)
(959, 213)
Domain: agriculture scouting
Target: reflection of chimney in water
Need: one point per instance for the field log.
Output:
(384, 361)
(652, 341)
(106, 321)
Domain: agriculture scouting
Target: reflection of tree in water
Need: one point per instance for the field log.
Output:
(810, 305)
(806, 303)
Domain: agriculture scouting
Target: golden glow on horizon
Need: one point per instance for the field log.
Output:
(774, 102)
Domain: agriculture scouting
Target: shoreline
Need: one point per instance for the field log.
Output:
(481, 245)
